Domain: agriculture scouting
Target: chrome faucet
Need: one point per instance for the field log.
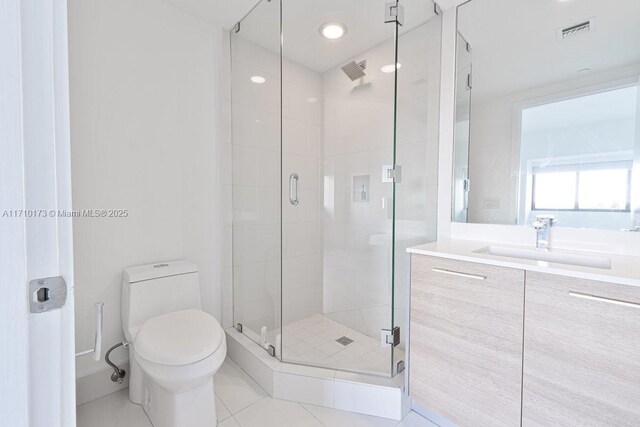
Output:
(543, 224)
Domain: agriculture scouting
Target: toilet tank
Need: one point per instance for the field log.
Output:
(154, 289)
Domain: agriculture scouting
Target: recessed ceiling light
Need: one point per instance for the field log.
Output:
(312, 99)
(390, 68)
(258, 79)
(332, 30)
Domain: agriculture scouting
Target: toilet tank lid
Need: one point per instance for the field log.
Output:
(160, 269)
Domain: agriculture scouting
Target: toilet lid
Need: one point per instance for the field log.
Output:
(178, 338)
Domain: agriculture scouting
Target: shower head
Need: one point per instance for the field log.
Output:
(355, 70)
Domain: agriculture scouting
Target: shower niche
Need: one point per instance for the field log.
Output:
(318, 282)
(361, 188)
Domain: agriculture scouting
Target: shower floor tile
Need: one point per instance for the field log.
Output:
(313, 340)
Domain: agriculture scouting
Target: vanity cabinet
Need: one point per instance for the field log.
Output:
(504, 346)
(466, 340)
(581, 352)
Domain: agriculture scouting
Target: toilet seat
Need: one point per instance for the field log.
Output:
(179, 338)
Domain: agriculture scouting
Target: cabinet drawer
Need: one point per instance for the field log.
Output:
(582, 352)
(466, 340)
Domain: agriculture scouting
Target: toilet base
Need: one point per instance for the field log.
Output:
(194, 407)
(176, 396)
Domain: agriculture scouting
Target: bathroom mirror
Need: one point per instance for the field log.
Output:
(548, 113)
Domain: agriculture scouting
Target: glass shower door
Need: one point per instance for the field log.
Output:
(338, 134)
(416, 152)
(256, 151)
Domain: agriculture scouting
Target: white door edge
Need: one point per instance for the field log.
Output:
(37, 350)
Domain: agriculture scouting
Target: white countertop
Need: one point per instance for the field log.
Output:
(624, 269)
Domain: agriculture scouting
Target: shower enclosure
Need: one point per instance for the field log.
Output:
(334, 175)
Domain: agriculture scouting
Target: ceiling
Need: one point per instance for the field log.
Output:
(515, 46)
(223, 12)
(228, 12)
(301, 20)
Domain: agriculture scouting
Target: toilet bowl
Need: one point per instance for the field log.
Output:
(175, 347)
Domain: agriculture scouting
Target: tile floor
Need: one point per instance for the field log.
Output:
(240, 402)
(313, 340)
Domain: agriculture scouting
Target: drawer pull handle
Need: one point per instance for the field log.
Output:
(459, 274)
(604, 299)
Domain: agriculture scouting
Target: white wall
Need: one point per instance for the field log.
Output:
(145, 138)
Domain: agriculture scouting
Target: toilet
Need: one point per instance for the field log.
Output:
(175, 347)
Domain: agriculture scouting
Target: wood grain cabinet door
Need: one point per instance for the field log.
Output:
(466, 340)
(581, 353)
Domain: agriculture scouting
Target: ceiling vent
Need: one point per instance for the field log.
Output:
(574, 30)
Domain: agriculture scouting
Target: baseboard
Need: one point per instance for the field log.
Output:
(99, 384)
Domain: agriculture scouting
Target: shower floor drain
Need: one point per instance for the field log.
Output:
(344, 340)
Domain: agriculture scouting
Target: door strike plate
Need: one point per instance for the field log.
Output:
(47, 294)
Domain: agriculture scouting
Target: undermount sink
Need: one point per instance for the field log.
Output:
(562, 257)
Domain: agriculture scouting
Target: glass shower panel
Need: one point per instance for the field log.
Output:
(416, 145)
(338, 124)
(461, 181)
(256, 148)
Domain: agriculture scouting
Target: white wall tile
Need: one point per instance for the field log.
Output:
(256, 243)
(299, 272)
(256, 167)
(301, 138)
(256, 205)
(257, 281)
(300, 239)
(264, 96)
(305, 211)
(255, 127)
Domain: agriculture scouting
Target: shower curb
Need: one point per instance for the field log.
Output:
(364, 394)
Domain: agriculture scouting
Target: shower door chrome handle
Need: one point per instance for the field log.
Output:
(293, 189)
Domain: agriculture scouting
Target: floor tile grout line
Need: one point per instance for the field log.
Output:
(310, 413)
(250, 405)
(264, 392)
(222, 403)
